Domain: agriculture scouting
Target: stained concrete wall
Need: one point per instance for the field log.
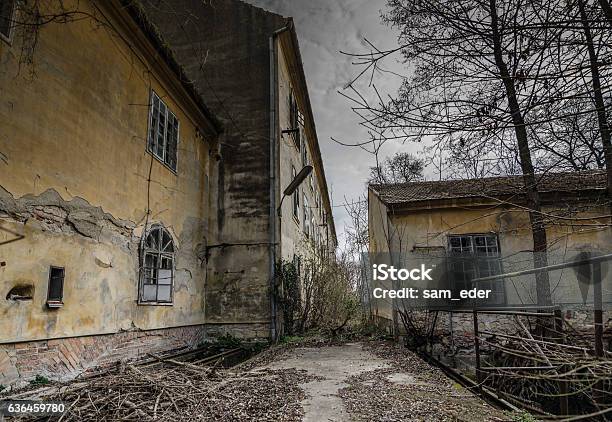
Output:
(293, 237)
(74, 183)
(224, 47)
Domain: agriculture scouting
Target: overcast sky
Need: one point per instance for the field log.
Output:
(324, 28)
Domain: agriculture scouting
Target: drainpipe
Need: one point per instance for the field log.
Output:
(273, 178)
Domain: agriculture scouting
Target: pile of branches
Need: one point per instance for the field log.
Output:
(533, 370)
(182, 391)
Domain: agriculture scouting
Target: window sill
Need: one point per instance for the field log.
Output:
(155, 303)
(55, 304)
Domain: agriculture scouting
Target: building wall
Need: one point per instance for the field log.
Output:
(225, 48)
(74, 182)
(430, 227)
(294, 240)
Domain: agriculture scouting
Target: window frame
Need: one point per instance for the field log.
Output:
(492, 253)
(160, 254)
(306, 226)
(151, 145)
(55, 302)
(295, 199)
(294, 120)
(9, 37)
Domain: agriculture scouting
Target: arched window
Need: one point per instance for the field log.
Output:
(157, 271)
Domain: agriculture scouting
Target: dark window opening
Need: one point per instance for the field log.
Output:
(55, 292)
(7, 8)
(475, 256)
(296, 198)
(157, 271)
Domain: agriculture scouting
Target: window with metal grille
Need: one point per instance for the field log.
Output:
(157, 271)
(7, 9)
(55, 290)
(163, 132)
(475, 256)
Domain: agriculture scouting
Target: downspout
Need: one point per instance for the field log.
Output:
(273, 179)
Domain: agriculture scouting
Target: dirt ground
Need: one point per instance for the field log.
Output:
(319, 382)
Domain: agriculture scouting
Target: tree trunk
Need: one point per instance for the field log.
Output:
(605, 5)
(538, 228)
(600, 106)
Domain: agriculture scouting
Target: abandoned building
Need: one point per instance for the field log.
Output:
(246, 63)
(488, 218)
(134, 218)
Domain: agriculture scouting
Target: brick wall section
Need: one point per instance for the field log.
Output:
(252, 332)
(64, 359)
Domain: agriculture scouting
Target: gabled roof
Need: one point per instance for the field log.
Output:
(405, 193)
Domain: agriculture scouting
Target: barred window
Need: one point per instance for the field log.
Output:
(475, 256)
(7, 9)
(163, 132)
(157, 272)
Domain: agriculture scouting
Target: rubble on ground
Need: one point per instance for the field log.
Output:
(411, 390)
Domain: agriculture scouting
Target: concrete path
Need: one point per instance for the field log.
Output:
(332, 365)
(392, 385)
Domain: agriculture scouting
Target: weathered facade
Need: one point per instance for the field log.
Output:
(424, 219)
(107, 181)
(247, 64)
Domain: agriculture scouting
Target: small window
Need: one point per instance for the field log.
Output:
(163, 132)
(7, 8)
(157, 271)
(55, 291)
(304, 154)
(306, 217)
(296, 198)
(294, 120)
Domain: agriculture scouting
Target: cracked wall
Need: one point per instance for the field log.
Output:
(77, 188)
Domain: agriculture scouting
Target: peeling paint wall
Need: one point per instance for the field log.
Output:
(430, 227)
(76, 182)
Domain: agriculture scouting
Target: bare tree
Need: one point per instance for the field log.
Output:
(400, 168)
(475, 81)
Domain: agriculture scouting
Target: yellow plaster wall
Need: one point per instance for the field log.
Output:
(78, 126)
(431, 227)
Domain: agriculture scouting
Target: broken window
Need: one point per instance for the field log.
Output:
(157, 271)
(55, 290)
(163, 132)
(7, 9)
(475, 256)
(296, 197)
